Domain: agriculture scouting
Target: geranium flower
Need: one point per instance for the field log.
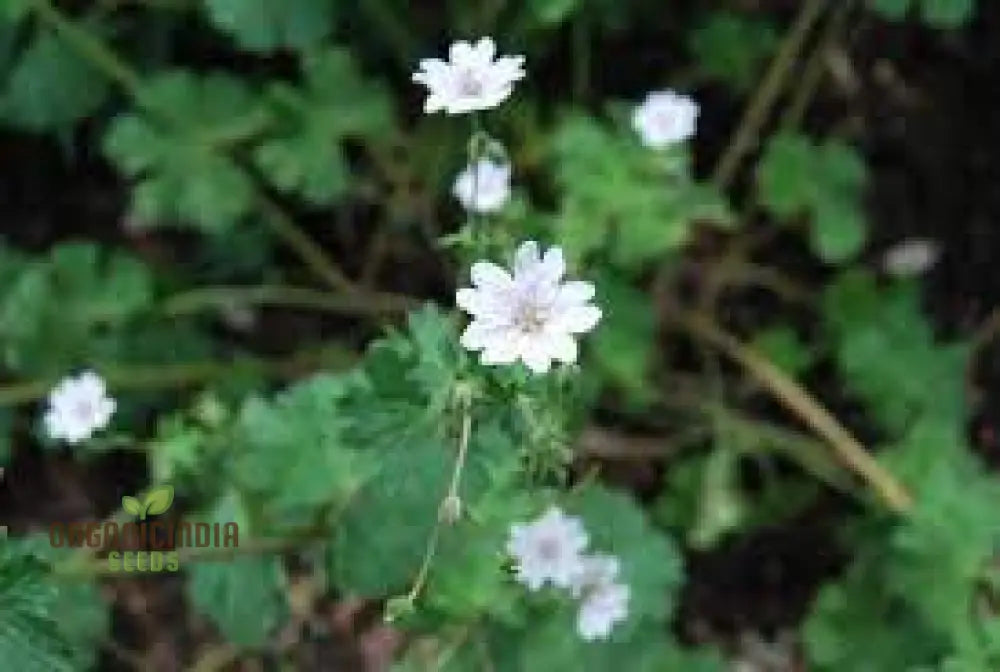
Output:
(470, 80)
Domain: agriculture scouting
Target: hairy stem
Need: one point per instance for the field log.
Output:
(450, 505)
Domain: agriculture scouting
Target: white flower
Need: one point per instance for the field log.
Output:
(911, 257)
(665, 118)
(470, 80)
(484, 187)
(78, 407)
(548, 549)
(528, 315)
(604, 601)
(603, 607)
(594, 572)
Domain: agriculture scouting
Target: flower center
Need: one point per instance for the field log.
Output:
(469, 86)
(83, 409)
(529, 319)
(548, 548)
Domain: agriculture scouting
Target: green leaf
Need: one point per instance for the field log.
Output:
(551, 643)
(50, 87)
(651, 564)
(892, 9)
(887, 352)
(552, 13)
(60, 311)
(179, 158)
(947, 14)
(83, 616)
(158, 500)
(14, 10)
(733, 48)
(782, 345)
(335, 103)
(641, 204)
(245, 597)
(29, 636)
(824, 182)
(379, 544)
(302, 422)
(855, 626)
(624, 346)
(132, 506)
(264, 25)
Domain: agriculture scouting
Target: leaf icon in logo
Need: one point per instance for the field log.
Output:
(158, 500)
(131, 505)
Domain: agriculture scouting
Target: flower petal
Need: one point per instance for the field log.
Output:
(553, 264)
(579, 319)
(526, 258)
(574, 293)
(490, 277)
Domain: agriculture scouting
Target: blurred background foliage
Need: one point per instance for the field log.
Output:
(278, 204)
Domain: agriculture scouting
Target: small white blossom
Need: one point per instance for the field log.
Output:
(665, 118)
(470, 80)
(484, 187)
(78, 407)
(602, 608)
(548, 549)
(530, 315)
(910, 257)
(594, 572)
(604, 601)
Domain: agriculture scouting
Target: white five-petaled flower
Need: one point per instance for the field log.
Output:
(910, 257)
(594, 571)
(470, 79)
(603, 601)
(530, 315)
(78, 407)
(603, 607)
(548, 549)
(484, 187)
(665, 118)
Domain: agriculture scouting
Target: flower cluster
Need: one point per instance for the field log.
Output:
(78, 407)
(550, 550)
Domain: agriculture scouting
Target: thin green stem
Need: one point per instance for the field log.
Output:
(450, 508)
(91, 48)
(309, 251)
(814, 70)
(166, 376)
(214, 298)
(463, 448)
